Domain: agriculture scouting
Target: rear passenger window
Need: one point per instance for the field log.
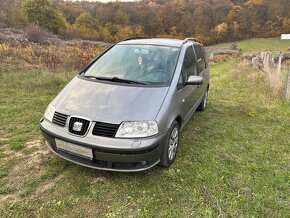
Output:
(189, 63)
(189, 67)
(201, 62)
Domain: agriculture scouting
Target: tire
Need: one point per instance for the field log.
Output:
(170, 148)
(204, 101)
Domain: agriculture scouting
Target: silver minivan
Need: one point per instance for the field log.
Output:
(125, 110)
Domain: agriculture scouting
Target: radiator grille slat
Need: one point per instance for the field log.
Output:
(59, 119)
(105, 129)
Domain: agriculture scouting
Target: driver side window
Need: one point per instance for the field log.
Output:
(188, 68)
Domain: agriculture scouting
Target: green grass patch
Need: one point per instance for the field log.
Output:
(5, 189)
(261, 44)
(18, 143)
(233, 158)
(5, 166)
(24, 97)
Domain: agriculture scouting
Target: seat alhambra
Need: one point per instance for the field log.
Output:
(125, 110)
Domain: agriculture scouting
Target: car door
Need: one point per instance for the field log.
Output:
(188, 93)
(202, 69)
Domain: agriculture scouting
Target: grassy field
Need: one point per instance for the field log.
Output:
(270, 44)
(233, 159)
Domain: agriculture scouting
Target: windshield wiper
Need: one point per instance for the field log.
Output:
(117, 79)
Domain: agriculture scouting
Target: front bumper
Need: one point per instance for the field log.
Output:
(126, 155)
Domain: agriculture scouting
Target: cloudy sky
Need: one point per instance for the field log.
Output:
(112, 1)
(108, 0)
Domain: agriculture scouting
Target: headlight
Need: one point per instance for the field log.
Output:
(137, 129)
(48, 114)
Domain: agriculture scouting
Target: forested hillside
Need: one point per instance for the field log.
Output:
(209, 20)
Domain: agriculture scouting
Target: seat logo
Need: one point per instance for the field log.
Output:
(77, 126)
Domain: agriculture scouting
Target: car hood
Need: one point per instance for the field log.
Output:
(109, 102)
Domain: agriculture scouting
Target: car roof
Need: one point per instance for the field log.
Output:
(155, 41)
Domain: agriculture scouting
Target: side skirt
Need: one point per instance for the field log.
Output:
(187, 118)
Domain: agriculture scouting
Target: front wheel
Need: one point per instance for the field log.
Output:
(203, 103)
(170, 148)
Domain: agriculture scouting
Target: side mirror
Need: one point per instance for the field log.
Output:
(194, 80)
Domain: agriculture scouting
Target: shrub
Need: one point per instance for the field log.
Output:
(35, 33)
(68, 33)
(234, 46)
(2, 38)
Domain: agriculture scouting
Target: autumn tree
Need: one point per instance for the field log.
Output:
(221, 30)
(87, 21)
(41, 12)
(11, 13)
(70, 10)
(286, 25)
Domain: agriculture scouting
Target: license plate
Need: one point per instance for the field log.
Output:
(74, 149)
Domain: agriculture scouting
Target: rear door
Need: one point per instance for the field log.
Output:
(202, 68)
(188, 93)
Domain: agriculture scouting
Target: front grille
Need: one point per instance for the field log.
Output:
(83, 129)
(59, 119)
(105, 129)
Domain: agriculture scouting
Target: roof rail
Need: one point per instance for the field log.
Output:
(191, 39)
(136, 37)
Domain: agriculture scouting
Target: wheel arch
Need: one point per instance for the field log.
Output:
(179, 120)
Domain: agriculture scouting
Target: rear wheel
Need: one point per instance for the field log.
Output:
(203, 103)
(170, 148)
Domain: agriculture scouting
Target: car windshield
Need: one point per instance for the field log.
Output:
(147, 64)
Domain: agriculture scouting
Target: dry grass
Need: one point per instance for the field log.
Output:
(220, 57)
(52, 57)
(268, 79)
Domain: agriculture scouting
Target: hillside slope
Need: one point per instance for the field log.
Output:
(233, 159)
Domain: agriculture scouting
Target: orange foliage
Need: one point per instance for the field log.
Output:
(52, 57)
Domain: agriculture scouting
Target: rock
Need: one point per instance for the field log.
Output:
(257, 63)
(16, 37)
(268, 56)
(222, 51)
(220, 54)
(11, 35)
(2, 38)
(267, 60)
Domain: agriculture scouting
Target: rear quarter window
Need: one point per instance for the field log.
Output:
(201, 60)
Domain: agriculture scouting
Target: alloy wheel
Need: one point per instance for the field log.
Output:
(173, 143)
